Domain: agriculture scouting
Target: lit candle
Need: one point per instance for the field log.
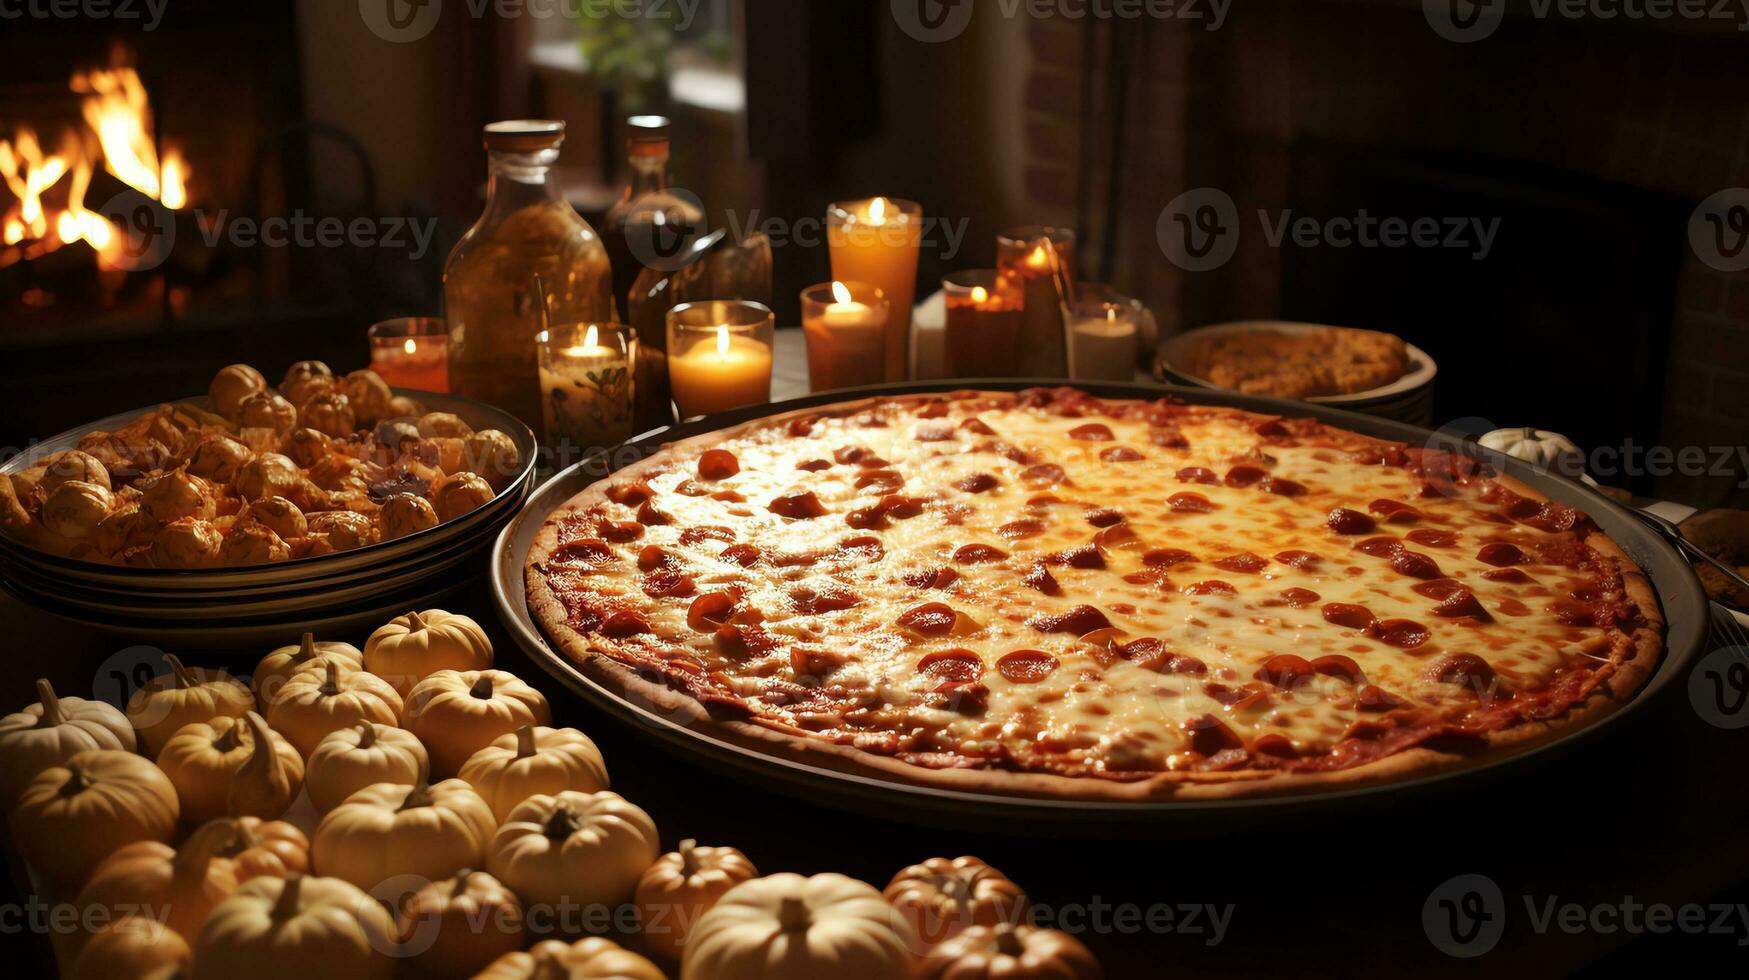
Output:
(875, 241)
(719, 355)
(845, 326)
(1103, 344)
(982, 326)
(1030, 261)
(411, 352)
(586, 386)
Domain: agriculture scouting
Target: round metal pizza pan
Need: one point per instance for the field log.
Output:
(1679, 592)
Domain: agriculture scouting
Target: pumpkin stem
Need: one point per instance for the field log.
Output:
(792, 914)
(461, 882)
(561, 824)
(367, 735)
(418, 796)
(230, 738)
(192, 858)
(688, 857)
(547, 967)
(51, 703)
(306, 649)
(525, 741)
(482, 688)
(1008, 940)
(178, 673)
(264, 762)
(78, 781)
(286, 905)
(330, 679)
(243, 839)
(414, 622)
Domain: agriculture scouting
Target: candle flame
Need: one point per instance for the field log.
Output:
(840, 292)
(722, 341)
(590, 335)
(980, 294)
(410, 346)
(1111, 314)
(1038, 258)
(877, 211)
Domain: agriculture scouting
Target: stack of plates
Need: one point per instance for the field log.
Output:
(251, 605)
(1407, 399)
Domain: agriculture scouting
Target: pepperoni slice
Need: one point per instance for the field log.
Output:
(1078, 621)
(1348, 614)
(851, 454)
(654, 556)
(712, 610)
(932, 578)
(1084, 556)
(1405, 633)
(741, 554)
(1372, 697)
(879, 481)
(900, 506)
(1301, 560)
(868, 519)
(1167, 557)
(1040, 578)
(630, 494)
(1245, 475)
(1438, 588)
(1178, 663)
(863, 547)
(1116, 538)
(815, 663)
(1385, 506)
(1415, 565)
(1020, 529)
(933, 409)
(1463, 602)
(800, 427)
(1209, 736)
(1189, 503)
(718, 464)
(1213, 586)
(690, 488)
(1465, 669)
(814, 465)
(929, 619)
(935, 432)
(1299, 598)
(1026, 666)
(1345, 521)
(1432, 537)
(1104, 517)
(1284, 669)
(623, 624)
(1091, 432)
(585, 551)
(1168, 437)
(799, 504)
(1283, 487)
(1274, 744)
(974, 554)
(976, 483)
(978, 426)
(1043, 473)
(668, 583)
(707, 532)
(1197, 474)
(810, 602)
(1500, 554)
(1381, 546)
(1337, 665)
(1245, 562)
(1553, 517)
(1507, 575)
(1146, 651)
(621, 531)
(1120, 454)
(955, 666)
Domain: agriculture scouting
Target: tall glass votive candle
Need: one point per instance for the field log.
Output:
(1030, 260)
(411, 352)
(845, 325)
(1102, 341)
(585, 386)
(719, 355)
(982, 325)
(875, 241)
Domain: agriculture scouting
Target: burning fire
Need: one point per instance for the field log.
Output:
(118, 114)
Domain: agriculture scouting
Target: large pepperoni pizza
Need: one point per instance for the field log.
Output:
(1050, 594)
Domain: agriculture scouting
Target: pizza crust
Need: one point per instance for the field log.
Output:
(593, 658)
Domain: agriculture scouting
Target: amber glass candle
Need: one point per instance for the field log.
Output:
(719, 355)
(411, 352)
(844, 324)
(875, 241)
(983, 325)
(1028, 260)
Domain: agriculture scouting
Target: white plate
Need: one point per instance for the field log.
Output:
(1177, 349)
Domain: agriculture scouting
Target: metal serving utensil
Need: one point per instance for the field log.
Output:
(1668, 529)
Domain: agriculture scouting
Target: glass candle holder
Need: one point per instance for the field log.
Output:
(845, 325)
(982, 325)
(1033, 260)
(411, 352)
(1147, 328)
(876, 241)
(585, 386)
(719, 355)
(1102, 340)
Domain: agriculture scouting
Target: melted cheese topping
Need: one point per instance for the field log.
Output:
(853, 674)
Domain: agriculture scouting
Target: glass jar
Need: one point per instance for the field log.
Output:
(490, 296)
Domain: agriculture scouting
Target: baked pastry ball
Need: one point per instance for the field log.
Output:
(170, 495)
(370, 395)
(305, 380)
(231, 385)
(492, 454)
(342, 530)
(307, 447)
(402, 407)
(404, 514)
(337, 472)
(73, 464)
(460, 493)
(124, 528)
(253, 544)
(218, 458)
(267, 409)
(329, 413)
(188, 543)
(444, 424)
(268, 475)
(278, 515)
(75, 509)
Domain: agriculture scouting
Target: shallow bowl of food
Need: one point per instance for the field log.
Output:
(1403, 388)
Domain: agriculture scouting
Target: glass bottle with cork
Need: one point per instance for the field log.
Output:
(490, 297)
(649, 221)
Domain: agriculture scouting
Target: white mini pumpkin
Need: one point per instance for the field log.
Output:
(52, 731)
(74, 815)
(787, 927)
(221, 769)
(284, 663)
(349, 759)
(314, 703)
(408, 649)
(459, 712)
(296, 928)
(590, 958)
(585, 848)
(183, 696)
(1549, 450)
(387, 829)
(534, 760)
